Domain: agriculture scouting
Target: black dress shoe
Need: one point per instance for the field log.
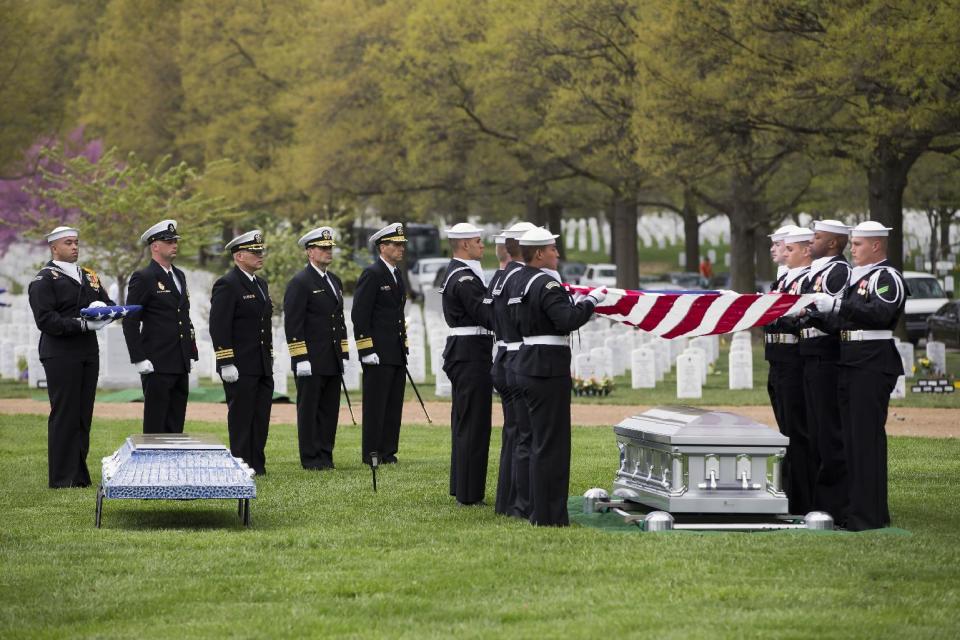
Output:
(326, 465)
(478, 503)
(390, 460)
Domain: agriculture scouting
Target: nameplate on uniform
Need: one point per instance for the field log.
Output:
(250, 296)
(318, 290)
(386, 287)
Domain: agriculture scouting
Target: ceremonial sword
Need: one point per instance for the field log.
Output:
(417, 391)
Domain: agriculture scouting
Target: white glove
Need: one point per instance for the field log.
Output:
(96, 325)
(370, 358)
(97, 303)
(229, 374)
(144, 367)
(304, 369)
(825, 303)
(599, 295)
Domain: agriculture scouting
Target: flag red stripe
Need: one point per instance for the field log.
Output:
(734, 312)
(777, 309)
(693, 318)
(657, 312)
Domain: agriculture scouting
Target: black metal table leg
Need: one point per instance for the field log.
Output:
(240, 507)
(246, 512)
(99, 512)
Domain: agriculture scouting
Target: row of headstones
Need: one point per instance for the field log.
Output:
(711, 253)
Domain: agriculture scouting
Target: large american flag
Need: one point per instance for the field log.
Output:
(687, 314)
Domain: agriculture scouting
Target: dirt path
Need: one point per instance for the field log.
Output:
(902, 421)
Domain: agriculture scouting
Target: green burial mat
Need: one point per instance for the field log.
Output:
(614, 523)
(201, 394)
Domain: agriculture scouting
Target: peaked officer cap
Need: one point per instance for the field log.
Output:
(319, 237)
(164, 230)
(391, 233)
(249, 241)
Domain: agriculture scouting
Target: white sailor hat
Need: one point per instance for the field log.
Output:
(779, 234)
(390, 233)
(249, 241)
(319, 237)
(463, 230)
(538, 237)
(518, 229)
(798, 234)
(500, 238)
(62, 232)
(831, 226)
(870, 229)
(164, 230)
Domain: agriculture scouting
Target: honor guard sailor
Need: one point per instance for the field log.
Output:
(242, 334)
(379, 329)
(869, 366)
(513, 477)
(161, 340)
(545, 314)
(318, 345)
(466, 361)
(69, 354)
(820, 350)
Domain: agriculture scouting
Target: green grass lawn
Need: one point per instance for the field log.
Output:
(328, 557)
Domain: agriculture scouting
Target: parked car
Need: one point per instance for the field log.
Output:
(944, 324)
(572, 271)
(925, 297)
(687, 280)
(423, 273)
(599, 275)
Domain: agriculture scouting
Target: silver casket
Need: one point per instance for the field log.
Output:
(688, 460)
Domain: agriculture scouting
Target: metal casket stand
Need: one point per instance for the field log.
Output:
(175, 466)
(690, 468)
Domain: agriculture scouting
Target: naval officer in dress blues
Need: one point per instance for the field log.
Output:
(318, 345)
(869, 365)
(69, 354)
(545, 315)
(379, 328)
(466, 361)
(242, 334)
(161, 339)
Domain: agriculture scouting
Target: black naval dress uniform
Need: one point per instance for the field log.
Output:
(164, 335)
(820, 350)
(71, 359)
(240, 311)
(546, 315)
(316, 333)
(789, 406)
(466, 361)
(379, 327)
(513, 478)
(869, 367)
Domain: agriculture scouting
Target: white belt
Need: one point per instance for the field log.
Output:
(469, 331)
(554, 341)
(812, 332)
(781, 338)
(859, 335)
(500, 343)
(513, 346)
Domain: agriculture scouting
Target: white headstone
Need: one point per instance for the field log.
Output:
(726, 259)
(602, 358)
(682, 259)
(594, 234)
(662, 348)
(206, 355)
(712, 254)
(643, 368)
(581, 234)
(741, 368)
(442, 387)
(703, 343)
(937, 354)
(22, 352)
(280, 371)
(8, 359)
(701, 357)
(116, 370)
(688, 376)
(417, 363)
(585, 367)
(36, 375)
(906, 355)
(570, 233)
(948, 283)
(899, 389)
(619, 352)
(605, 232)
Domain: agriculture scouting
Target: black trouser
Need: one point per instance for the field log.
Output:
(470, 428)
(820, 382)
(72, 388)
(522, 445)
(800, 465)
(548, 401)
(506, 491)
(864, 396)
(164, 401)
(383, 386)
(249, 401)
(318, 409)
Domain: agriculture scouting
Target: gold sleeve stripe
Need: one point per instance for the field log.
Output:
(298, 351)
(225, 352)
(365, 343)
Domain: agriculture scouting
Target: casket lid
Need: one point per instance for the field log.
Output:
(682, 425)
(173, 441)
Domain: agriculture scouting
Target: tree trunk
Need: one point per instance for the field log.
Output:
(764, 265)
(554, 216)
(624, 233)
(946, 217)
(743, 214)
(535, 213)
(886, 182)
(691, 232)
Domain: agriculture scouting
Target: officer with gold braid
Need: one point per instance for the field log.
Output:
(317, 340)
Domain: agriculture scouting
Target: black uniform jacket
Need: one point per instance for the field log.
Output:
(240, 324)
(831, 279)
(539, 305)
(378, 321)
(162, 333)
(56, 300)
(785, 352)
(462, 297)
(313, 320)
(873, 301)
